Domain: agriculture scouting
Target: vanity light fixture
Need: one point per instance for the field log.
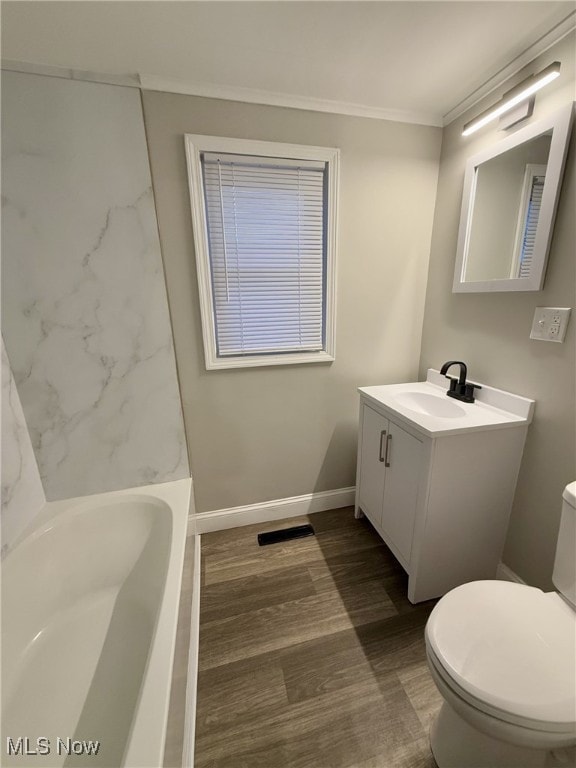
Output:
(519, 93)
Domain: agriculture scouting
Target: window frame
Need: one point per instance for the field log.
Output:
(195, 144)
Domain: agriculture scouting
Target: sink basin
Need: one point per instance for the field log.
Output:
(431, 405)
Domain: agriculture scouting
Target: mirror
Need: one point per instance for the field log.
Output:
(510, 197)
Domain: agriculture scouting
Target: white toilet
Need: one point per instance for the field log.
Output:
(503, 656)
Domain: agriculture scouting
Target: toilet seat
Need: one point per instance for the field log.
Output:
(497, 722)
(510, 651)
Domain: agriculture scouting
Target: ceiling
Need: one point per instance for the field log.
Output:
(414, 60)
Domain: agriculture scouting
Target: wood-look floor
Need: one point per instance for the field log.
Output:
(311, 655)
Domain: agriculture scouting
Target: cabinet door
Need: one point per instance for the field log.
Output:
(403, 458)
(372, 470)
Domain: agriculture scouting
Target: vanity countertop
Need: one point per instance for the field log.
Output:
(425, 406)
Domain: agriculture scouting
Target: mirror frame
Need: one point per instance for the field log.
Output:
(559, 123)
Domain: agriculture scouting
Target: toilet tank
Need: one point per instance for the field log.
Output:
(564, 575)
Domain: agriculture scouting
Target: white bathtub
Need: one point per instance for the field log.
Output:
(89, 614)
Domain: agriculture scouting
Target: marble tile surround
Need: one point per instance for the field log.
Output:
(22, 492)
(85, 313)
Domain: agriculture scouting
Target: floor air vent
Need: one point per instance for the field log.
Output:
(274, 537)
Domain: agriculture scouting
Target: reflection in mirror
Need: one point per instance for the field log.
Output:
(507, 202)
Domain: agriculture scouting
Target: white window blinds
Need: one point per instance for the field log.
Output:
(531, 226)
(266, 222)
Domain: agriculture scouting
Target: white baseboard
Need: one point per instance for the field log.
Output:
(266, 511)
(192, 674)
(191, 529)
(507, 574)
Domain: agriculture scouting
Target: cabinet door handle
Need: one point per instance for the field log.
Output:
(387, 456)
(382, 435)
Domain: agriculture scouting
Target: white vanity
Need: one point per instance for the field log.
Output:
(436, 478)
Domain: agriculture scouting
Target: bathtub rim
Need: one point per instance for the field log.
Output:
(148, 732)
(50, 518)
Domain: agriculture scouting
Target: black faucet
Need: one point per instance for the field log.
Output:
(459, 388)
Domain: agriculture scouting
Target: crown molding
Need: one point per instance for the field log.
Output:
(270, 98)
(563, 28)
(50, 70)
(229, 93)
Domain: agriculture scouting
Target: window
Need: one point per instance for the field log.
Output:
(527, 226)
(264, 217)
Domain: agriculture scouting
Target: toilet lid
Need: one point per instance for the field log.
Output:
(510, 646)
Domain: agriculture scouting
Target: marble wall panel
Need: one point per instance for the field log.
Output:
(85, 314)
(22, 492)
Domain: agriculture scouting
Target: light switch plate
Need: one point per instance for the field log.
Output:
(550, 323)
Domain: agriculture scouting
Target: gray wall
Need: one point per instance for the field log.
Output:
(268, 433)
(491, 332)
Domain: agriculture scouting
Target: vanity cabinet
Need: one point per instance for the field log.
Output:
(389, 471)
(439, 490)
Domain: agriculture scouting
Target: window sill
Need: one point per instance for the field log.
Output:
(221, 363)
